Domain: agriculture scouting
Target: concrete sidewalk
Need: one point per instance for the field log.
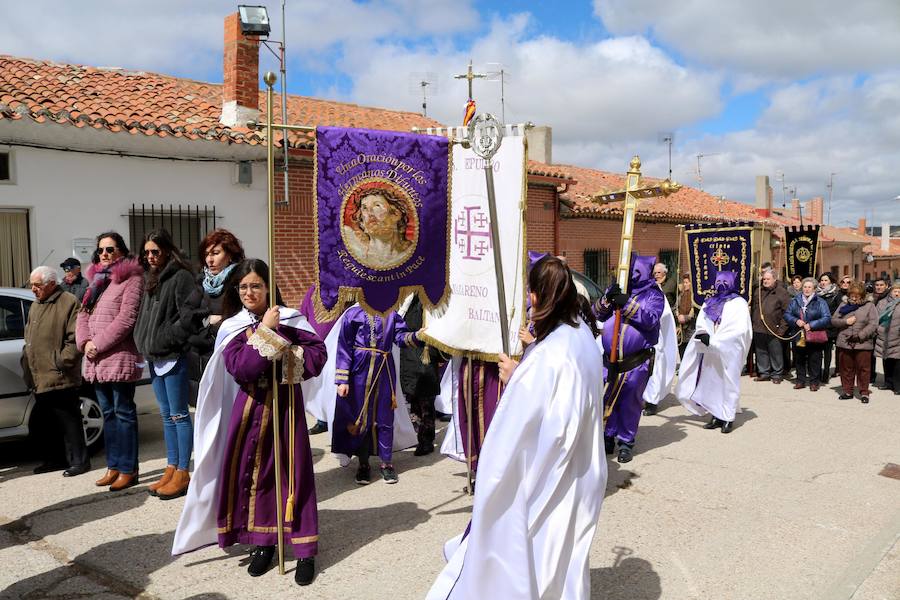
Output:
(789, 506)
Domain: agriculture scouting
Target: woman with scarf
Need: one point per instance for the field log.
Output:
(232, 497)
(856, 321)
(221, 252)
(888, 343)
(832, 295)
(104, 332)
(808, 315)
(709, 380)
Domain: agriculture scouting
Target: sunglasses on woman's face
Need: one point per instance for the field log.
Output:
(154, 252)
(107, 250)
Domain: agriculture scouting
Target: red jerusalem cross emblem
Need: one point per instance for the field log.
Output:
(720, 258)
(472, 233)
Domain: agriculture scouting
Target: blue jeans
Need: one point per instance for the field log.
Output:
(120, 426)
(171, 391)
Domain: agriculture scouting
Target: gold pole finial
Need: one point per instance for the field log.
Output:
(270, 78)
(635, 164)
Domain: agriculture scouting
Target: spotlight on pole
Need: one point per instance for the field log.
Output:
(254, 20)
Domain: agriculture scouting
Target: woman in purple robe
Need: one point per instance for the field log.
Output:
(641, 308)
(366, 377)
(246, 501)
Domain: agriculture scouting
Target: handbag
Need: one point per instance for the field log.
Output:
(816, 336)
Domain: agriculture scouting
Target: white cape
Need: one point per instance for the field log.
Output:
(717, 390)
(660, 381)
(197, 526)
(320, 393)
(541, 480)
(452, 446)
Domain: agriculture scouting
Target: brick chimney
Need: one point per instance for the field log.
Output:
(861, 226)
(240, 90)
(885, 236)
(540, 144)
(795, 208)
(763, 204)
(815, 211)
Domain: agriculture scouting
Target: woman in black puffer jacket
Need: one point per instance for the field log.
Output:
(831, 294)
(162, 337)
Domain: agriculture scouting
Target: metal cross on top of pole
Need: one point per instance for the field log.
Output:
(470, 76)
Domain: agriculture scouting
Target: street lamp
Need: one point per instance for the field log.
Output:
(254, 20)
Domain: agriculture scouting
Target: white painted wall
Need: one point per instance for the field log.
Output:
(76, 195)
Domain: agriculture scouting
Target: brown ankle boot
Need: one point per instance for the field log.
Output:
(107, 479)
(176, 488)
(166, 478)
(124, 480)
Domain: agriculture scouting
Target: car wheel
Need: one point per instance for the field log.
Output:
(92, 419)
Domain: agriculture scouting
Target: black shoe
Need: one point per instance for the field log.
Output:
(261, 560)
(306, 571)
(48, 468)
(80, 469)
(610, 444)
(864, 399)
(423, 448)
(845, 397)
(776, 380)
(362, 474)
(650, 409)
(318, 428)
(727, 426)
(762, 378)
(714, 423)
(443, 417)
(389, 474)
(625, 454)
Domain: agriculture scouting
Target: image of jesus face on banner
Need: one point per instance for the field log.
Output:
(379, 225)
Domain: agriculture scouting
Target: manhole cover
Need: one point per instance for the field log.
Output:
(891, 470)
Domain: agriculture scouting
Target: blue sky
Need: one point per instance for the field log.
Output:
(804, 88)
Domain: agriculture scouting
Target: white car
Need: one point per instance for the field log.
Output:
(16, 402)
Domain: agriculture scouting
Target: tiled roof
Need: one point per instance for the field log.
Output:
(153, 104)
(686, 205)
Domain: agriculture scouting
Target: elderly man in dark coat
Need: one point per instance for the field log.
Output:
(51, 366)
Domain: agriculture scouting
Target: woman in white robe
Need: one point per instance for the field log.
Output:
(542, 474)
(709, 380)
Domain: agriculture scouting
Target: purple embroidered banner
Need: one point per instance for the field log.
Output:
(381, 219)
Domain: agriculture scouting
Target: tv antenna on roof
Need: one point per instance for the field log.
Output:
(422, 83)
(499, 74)
(699, 172)
(668, 137)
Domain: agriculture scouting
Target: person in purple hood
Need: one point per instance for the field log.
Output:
(709, 380)
(629, 370)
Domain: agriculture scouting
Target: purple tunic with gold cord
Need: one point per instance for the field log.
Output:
(482, 379)
(246, 511)
(639, 332)
(364, 361)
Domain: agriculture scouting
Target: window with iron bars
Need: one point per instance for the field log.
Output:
(596, 266)
(670, 259)
(188, 225)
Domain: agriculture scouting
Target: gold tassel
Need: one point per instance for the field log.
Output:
(289, 510)
(426, 355)
(393, 401)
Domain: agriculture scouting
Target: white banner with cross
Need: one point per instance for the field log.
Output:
(471, 322)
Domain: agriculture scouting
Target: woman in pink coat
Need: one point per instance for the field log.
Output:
(111, 360)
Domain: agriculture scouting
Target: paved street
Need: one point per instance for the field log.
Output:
(789, 506)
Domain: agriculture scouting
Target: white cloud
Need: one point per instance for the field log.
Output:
(772, 38)
(614, 89)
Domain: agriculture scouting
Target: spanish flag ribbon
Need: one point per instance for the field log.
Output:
(470, 112)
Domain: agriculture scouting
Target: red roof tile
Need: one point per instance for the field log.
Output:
(686, 205)
(153, 104)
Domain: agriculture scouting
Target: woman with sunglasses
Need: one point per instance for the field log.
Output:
(232, 498)
(104, 332)
(162, 333)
